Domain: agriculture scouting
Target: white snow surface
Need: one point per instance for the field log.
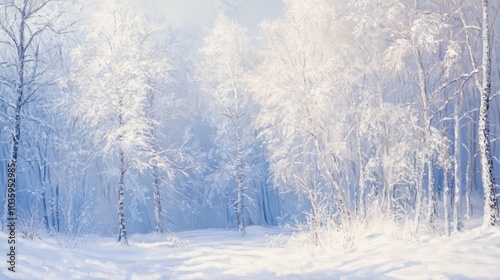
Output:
(264, 253)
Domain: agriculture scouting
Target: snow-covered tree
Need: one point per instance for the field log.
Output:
(165, 106)
(476, 25)
(29, 37)
(111, 72)
(225, 60)
(302, 86)
(488, 179)
(414, 37)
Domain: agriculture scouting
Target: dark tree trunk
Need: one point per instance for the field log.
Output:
(16, 135)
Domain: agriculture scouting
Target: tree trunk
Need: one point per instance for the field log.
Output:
(387, 180)
(240, 174)
(69, 213)
(420, 197)
(457, 204)
(490, 202)
(53, 213)
(446, 203)
(432, 217)
(262, 202)
(122, 236)
(16, 136)
(157, 201)
(43, 169)
(45, 212)
(428, 157)
(386, 195)
(362, 186)
(57, 225)
(228, 211)
(469, 175)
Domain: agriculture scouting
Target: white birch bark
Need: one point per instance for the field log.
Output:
(457, 203)
(122, 236)
(490, 202)
(240, 205)
(446, 203)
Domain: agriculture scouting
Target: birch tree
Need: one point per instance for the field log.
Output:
(163, 107)
(111, 74)
(483, 85)
(487, 175)
(224, 64)
(302, 87)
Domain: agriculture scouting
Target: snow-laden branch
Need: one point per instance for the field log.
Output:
(497, 94)
(465, 77)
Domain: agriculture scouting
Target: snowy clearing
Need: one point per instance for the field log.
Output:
(265, 253)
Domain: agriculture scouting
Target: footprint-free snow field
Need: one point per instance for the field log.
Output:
(264, 253)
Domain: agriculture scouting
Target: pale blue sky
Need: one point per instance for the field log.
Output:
(194, 13)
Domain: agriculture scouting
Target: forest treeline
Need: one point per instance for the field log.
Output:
(334, 115)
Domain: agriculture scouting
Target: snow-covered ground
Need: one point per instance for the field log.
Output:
(265, 253)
